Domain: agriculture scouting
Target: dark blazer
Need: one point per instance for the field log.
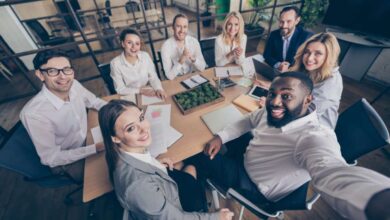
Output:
(273, 52)
(149, 193)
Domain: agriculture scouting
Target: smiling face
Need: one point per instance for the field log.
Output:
(132, 131)
(232, 26)
(59, 85)
(287, 22)
(287, 100)
(131, 45)
(180, 28)
(314, 56)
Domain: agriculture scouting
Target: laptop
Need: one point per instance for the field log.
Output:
(265, 70)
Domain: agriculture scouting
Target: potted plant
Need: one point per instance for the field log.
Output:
(207, 3)
(312, 11)
(253, 27)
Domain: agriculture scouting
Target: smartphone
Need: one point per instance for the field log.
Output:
(257, 92)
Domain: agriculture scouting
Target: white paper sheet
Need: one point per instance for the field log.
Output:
(147, 100)
(223, 72)
(96, 135)
(159, 112)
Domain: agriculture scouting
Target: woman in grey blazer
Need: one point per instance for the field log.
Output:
(142, 184)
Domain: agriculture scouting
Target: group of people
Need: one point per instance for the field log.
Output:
(271, 151)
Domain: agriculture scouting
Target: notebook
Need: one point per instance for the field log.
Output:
(218, 119)
(223, 72)
(194, 81)
(246, 102)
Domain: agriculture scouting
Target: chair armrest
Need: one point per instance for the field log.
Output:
(251, 206)
(214, 186)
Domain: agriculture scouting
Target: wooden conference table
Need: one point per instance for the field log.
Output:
(195, 134)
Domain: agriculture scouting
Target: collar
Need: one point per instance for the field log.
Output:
(55, 100)
(289, 37)
(301, 122)
(125, 62)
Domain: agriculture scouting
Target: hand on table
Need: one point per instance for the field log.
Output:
(100, 147)
(283, 67)
(148, 91)
(225, 214)
(166, 162)
(213, 147)
(161, 94)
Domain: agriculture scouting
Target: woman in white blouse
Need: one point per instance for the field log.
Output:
(230, 45)
(133, 70)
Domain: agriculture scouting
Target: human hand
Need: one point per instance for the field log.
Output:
(148, 91)
(185, 55)
(238, 51)
(213, 147)
(283, 67)
(100, 147)
(225, 214)
(262, 101)
(166, 162)
(161, 94)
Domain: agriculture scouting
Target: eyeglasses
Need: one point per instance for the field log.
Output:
(55, 72)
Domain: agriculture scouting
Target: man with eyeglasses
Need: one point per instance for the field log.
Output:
(56, 118)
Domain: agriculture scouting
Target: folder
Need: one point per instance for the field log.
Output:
(246, 102)
(218, 119)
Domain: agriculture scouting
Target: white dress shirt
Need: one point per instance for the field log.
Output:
(129, 78)
(279, 160)
(58, 128)
(147, 158)
(327, 96)
(222, 49)
(171, 53)
(286, 45)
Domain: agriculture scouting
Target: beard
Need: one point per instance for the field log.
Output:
(286, 32)
(289, 116)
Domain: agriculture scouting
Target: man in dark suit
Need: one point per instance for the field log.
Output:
(283, 43)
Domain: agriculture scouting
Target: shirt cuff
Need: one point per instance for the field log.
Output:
(224, 136)
(277, 65)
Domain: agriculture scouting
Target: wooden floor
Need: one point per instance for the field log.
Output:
(23, 200)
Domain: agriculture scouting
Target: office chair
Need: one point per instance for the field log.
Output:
(360, 130)
(132, 7)
(105, 70)
(207, 46)
(42, 36)
(161, 72)
(18, 154)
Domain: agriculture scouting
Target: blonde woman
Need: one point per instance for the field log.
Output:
(133, 70)
(318, 57)
(230, 45)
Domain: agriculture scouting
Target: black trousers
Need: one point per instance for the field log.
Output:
(228, 170)
(191, 192)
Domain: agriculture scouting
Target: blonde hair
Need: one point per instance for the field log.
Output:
(331, 61)
(240, 33)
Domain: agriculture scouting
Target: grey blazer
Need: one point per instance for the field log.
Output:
(149, 193)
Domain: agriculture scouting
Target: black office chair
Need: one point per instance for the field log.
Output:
(131, 7)
(360, 130)
(43, 38)
(18, 154)
(105, 70)
(207, 46)
(161, 72)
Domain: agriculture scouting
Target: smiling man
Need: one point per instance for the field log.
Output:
(289, 147)
(283, 43)
(181, 53)
(56, 118)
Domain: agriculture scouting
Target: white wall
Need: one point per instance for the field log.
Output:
(15, 35)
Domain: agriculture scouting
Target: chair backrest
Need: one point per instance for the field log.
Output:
(19, 155)
(104, 70)
(38, 30)
(360, 130)
(161, 74)
(132, 6)
(207, 46)
(107, 4)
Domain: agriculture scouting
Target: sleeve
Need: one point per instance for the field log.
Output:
(200, 63)
(247, 123)
(152, 75)
(335, 180)
(90, 99)
(241, 59)
(42, 135)
(119, 83)
(220, 55)
(269, 50)
(148, 198)
(327, 100)
(172, 68)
